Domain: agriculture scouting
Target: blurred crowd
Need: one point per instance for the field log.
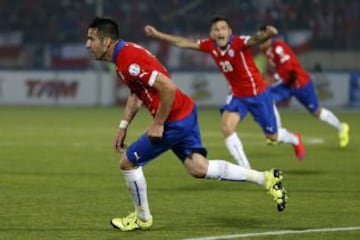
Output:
(334, 23)
(46, 26)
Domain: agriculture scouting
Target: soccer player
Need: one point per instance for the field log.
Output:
(291, 80)
(174, 125)
(249, 93)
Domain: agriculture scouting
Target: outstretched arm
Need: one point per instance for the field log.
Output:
(178, 41)
(262, 36)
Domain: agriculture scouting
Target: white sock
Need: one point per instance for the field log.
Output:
(277, 116)
(236, 149)
(223, 170)
(284, 136)
(136, 183)
(330, 118)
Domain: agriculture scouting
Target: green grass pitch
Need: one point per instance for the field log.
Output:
(59, 179)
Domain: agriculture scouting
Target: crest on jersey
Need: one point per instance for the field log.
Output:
(231, 53)
(279, 50)
(134, 69)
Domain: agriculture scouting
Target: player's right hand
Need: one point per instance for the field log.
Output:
(155, 131)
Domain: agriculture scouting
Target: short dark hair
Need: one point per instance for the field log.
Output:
(106, 27)
(218, 18)
(262, 27)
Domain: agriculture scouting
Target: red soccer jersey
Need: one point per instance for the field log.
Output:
(138, 69)
(286, 64)
(237, 64)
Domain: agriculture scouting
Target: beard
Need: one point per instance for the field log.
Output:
(101, 55)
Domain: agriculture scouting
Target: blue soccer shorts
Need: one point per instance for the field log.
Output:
(306, 95)
(261, 108)
(182, 137)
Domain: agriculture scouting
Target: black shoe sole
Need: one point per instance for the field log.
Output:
(281, 207)
(114, 226)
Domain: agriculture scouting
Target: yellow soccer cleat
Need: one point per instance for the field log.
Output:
(273, 185)
(272, 177)
(131, 223)
(344, 135)
(271, 142)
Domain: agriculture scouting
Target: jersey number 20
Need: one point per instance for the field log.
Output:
(226, 66)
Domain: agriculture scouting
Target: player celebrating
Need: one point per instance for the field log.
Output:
(292, 80)
(174, 125)
(233, 56)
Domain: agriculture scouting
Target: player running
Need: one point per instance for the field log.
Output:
(249, 93)
(174, 125)
(291, 80)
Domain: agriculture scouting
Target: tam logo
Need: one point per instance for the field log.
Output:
(51, 89)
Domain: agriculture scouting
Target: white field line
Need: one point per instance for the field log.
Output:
(277, 233)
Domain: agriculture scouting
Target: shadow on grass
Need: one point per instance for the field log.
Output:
(240, 222)
(54, 174)
(53, 229)
(303, 172)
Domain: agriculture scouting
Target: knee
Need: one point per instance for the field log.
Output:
(197, 173)
(125, 164)
(317, 113)
(227, 129)
(197, 169)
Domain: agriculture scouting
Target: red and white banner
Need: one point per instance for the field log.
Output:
(69, 56)
(299, 40)
(11, 50)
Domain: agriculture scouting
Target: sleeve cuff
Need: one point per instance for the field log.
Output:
(153, 77)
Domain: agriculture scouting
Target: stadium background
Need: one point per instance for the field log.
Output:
(59, 178)
(43, 59)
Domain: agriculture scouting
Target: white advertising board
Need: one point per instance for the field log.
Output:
(332, 89)
(88, 88)
(210, 89)
(207, 89)
(55, 88)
